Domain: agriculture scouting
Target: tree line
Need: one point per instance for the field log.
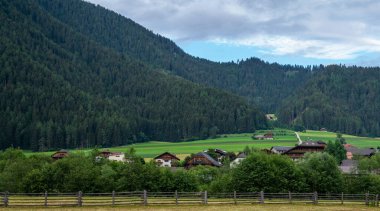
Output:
(258, 172)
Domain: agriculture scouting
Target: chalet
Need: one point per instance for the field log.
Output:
(279, 149)
(299, 151)
(349, 166)
(352, 151)
(219, 152)
(166, 159)
(202, 158)
(323, 129)
(60, 154)
(267, 136)
(241, 156)
(114, 156)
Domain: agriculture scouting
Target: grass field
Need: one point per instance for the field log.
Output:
(360, 142)
(265, 207)
(235, 143)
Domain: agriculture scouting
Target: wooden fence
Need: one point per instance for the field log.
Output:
(178, 198)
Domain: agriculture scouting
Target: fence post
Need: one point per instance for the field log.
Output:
(261, 197)
(205, 198)
(315, 201)
(342, 198)
(290, 197)
(377, 200)
(176, 197)
(113, 198)
(145, 198)
(367, 198)
(235, 201)
(80, 198)
(46, 199)
(6, 199)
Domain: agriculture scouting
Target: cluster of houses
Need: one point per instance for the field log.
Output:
(166, 159)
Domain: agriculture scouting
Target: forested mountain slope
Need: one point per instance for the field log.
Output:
(339, 98)
(262, 83)
(61, 89)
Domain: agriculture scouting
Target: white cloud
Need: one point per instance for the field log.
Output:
(323, 29)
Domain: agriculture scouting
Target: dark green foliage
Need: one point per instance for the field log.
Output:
(321, 173)
(340, 138)
(336, 149)
(338, 98)
(262, 83)
(269, 173)
(62, 89)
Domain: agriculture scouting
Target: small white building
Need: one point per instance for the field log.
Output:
(114, 156)
(241, 156)
(117, 156)
(166, 159)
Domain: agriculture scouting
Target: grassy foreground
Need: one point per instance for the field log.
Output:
(265, 207)
(235, 143)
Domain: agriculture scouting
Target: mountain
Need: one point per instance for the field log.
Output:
(298, 94)
(263, 84)
(61, 88)
(339, 98)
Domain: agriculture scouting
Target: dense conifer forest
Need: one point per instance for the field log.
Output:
(74, 74)
(60, 89)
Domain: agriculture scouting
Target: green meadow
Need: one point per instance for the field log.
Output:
(234, 143)
(361, 142)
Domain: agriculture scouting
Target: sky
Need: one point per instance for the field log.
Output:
(303, 32)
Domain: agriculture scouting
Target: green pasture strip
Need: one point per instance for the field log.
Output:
(357, 141)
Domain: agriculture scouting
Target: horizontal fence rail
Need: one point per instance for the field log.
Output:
(179, 198)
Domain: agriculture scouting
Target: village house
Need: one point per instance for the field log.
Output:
(166, 159)
(299, 151)
(352, 152)
(349, 166)
(267, 136)
(113, 156)
(279, 149)
(219, 152)
(241, 156)
(202, 158)
(60, 154)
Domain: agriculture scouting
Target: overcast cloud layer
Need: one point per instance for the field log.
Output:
(323, 29)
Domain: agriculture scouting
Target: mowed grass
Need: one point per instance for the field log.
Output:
(263, 207)
(361, 142)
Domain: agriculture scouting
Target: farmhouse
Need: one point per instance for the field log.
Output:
(219, 152)
(241, 156)
(299, 151)
(202, 158)
(352, 151)
(166, 159)
(267, 136)
(114, 156)
(60, 154)
(279, 149)
(349, 166)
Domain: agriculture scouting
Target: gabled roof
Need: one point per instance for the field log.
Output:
(208, 157)
(167, 153)
(349, 163)
(313, 143)
(241, 155)
(281, 148)
(361, 152)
